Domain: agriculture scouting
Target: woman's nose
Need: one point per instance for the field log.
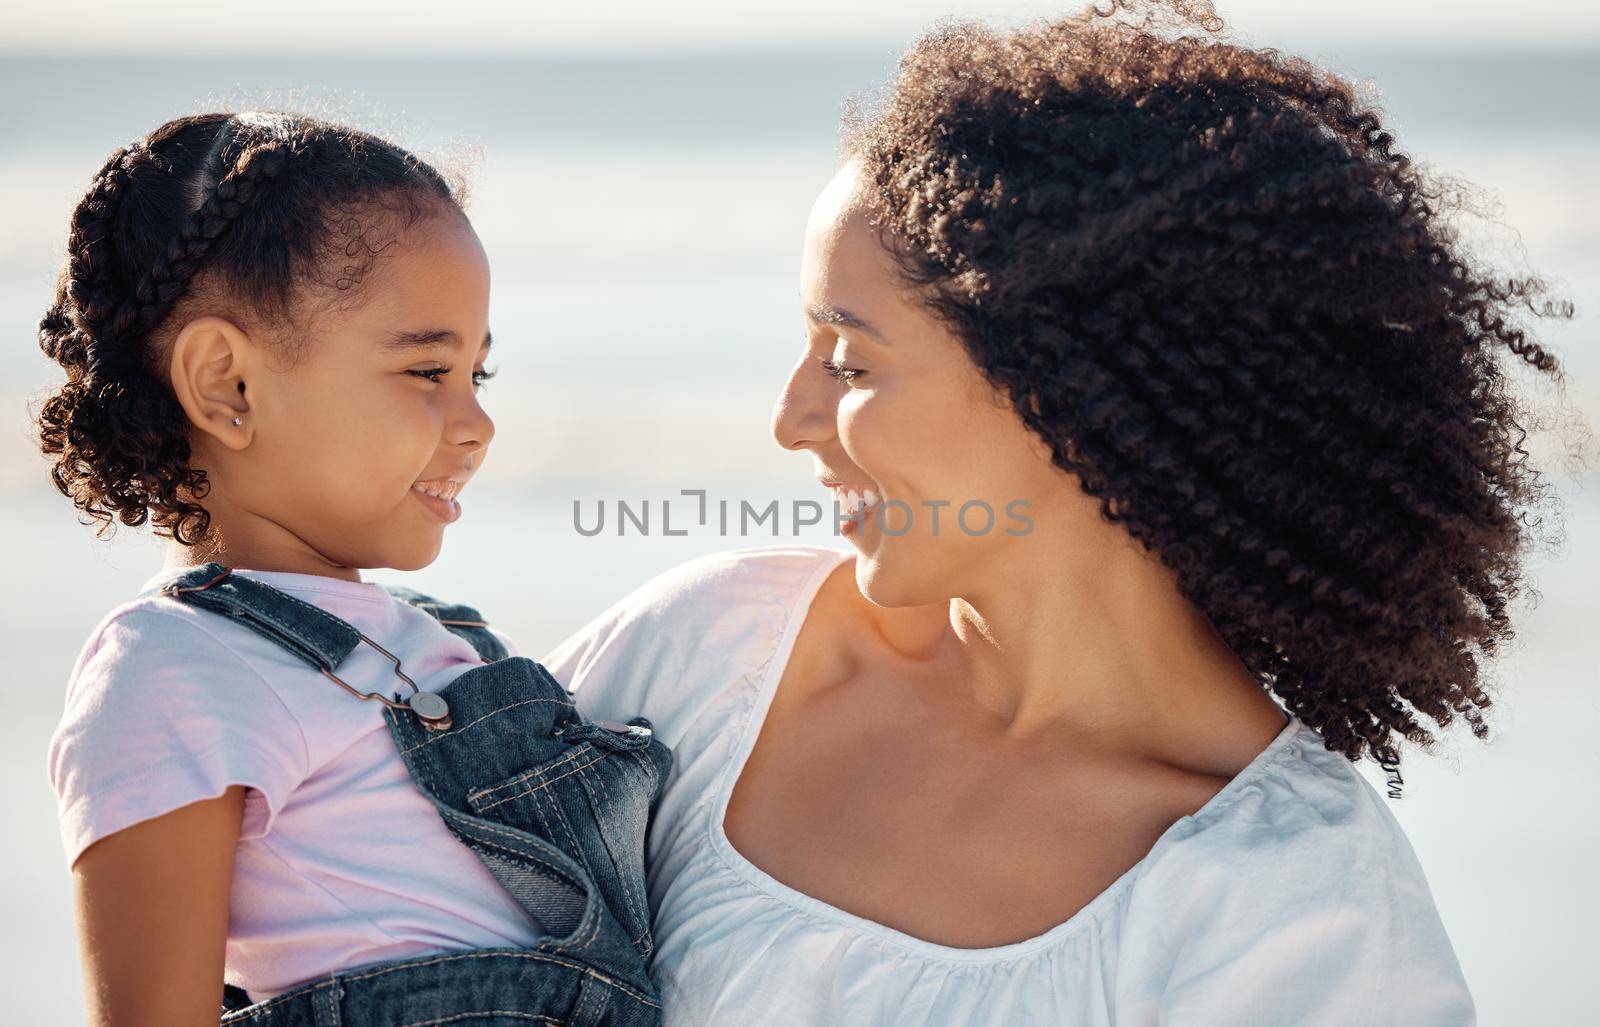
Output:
(806, 409)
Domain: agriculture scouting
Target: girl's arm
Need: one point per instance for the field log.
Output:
(152, 912)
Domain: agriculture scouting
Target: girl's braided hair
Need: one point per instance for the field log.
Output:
(240, 212)
(1206, 277)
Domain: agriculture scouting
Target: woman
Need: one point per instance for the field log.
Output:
(1176, 313)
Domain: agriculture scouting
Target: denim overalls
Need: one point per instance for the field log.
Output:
(555, 805)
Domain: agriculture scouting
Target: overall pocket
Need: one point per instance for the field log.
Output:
(594, 802)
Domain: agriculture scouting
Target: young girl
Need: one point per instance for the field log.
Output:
(346, 801)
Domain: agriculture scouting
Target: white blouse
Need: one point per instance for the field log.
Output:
(1291, 897)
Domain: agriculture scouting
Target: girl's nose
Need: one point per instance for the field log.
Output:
(474, 427)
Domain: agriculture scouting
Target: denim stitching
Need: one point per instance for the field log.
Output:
(537, 956)
(266, 614)
(540, 864)
(249, 1012)
(650, 769)
(532, 773)
(544, 824)
(623, 878)
(456, 731)
(583, 857)
(580, 1010)
(584, 995)
(544, 786)
(317, 612)
(513, 850)
(583, 861)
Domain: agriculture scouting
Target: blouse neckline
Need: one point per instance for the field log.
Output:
(1281, 744)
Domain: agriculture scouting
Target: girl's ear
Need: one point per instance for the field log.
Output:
(213, 365)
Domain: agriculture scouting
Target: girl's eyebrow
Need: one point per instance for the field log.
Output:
(401, 341)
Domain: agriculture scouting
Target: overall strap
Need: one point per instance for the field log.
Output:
(312, 634)
(458, 618)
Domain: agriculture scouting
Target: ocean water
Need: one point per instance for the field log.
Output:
(643, 219)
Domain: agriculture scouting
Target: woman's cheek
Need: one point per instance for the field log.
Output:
(860, 425)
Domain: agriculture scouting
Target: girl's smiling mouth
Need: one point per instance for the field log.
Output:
(439, 496)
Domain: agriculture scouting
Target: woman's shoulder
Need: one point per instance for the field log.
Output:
(686, 632)
(1296, 804)
(1297, 871)
(1297, 798)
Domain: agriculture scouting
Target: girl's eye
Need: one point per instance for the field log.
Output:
(433, 374)
(846, 375)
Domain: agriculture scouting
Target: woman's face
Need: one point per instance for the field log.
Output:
(959, 482)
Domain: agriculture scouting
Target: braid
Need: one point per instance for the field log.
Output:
(67, 328)
(117, 322)
(175, 267)
(96, 330)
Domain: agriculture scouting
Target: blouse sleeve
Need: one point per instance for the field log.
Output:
(161, 713)
(669, 649)
(1304, 905)
(1320, 960)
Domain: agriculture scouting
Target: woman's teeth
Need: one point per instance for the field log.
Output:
(854, 501)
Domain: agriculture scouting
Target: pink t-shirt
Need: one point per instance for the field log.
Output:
(341, 860)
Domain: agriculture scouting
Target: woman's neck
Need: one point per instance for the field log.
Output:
(1089, 642)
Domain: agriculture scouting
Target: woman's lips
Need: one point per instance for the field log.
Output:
(854, 497)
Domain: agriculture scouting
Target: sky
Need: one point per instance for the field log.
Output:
(517, 26)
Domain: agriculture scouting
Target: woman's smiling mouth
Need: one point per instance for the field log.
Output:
(858, 500)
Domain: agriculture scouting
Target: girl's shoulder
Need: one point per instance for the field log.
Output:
(165, 705)
(153, 637)
(685, 634)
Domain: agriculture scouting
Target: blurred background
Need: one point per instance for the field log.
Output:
(641, 174)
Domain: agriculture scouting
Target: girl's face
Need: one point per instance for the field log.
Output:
(914, 421)
(342, 447)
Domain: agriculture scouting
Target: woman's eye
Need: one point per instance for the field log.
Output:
(479, 377)
(846, 375)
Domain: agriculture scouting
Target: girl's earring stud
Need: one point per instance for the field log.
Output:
(237, 422)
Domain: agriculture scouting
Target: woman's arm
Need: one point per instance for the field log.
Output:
(152, 912)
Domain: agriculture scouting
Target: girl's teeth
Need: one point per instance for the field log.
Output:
(445, 491)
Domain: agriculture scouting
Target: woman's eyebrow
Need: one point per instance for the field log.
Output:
(401, 341)
(826, 315)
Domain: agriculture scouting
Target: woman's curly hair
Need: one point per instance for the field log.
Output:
(1205, 276)
(239, 213)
